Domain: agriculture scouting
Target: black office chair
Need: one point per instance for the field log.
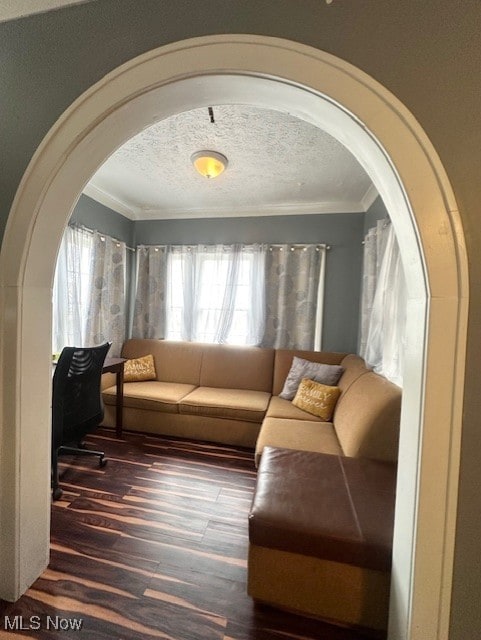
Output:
(77, 406)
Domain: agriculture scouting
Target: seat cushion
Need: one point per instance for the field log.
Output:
(304, 435)
(161, 396)
(236, 404)
(280, 408)
(330, 507)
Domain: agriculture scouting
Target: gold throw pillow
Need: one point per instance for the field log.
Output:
(139, 369)
(316, 398)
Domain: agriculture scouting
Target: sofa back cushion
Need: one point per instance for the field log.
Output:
(174, 361)
(229, 367)
(354, 366)
(367, 418)
(283, 362)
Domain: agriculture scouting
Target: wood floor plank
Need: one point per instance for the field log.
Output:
(154, 545)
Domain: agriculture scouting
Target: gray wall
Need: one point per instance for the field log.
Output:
(48, 60)
(342, 231)
(93, 215)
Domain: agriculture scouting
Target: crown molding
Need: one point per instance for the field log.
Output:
(111, 202)
(291, 209)
(369, 197)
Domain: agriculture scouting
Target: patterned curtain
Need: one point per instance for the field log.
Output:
(150, 299)
(294, 287)
(106, 313)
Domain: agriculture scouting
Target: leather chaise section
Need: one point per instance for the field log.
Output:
(326, 506)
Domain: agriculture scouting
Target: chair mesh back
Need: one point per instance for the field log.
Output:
(77, 400)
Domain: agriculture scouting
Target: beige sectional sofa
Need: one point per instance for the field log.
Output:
(300, 557)
(230, 395)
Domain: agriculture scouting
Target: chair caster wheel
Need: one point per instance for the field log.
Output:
(57, 493)
(102, 462)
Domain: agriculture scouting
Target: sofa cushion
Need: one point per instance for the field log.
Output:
(354, 366)
(174, 361)
(280, 408)
(326, 373)
(367, 418)
(151, 394)
(283, 361)
(304, 435)
(228, 367)
(331, 507)
(139, 369)
(236, 404)
(316, 398)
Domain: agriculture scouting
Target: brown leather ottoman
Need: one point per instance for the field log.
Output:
(320, 532)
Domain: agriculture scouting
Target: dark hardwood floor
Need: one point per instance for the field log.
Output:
(154, 545)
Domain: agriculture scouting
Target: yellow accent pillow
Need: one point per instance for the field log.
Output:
(316, 398)
(139, 369)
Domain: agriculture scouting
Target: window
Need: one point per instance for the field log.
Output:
(211, 294)
(71, 289)
(265, 295)
(89, 291)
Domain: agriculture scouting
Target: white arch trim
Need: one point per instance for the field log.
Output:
(407, 172)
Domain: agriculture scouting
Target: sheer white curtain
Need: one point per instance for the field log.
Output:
(89, 291)
(201, 293)
(215, 293)
(384, 333)
(71, 289)
(106, 312)
(374, 245)
(295, 277)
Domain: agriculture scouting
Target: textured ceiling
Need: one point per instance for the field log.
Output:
(277, 164)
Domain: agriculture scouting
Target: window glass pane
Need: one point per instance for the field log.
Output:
(218, 297)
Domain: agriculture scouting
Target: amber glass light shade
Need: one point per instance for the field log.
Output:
(209, 164)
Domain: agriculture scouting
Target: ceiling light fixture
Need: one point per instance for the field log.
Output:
(209, 164)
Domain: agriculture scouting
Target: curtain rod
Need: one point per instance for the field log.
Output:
(293, 245)
(102, 235)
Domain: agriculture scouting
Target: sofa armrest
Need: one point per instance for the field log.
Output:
(367, 418)
(107, 380)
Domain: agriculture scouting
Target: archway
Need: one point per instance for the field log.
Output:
(393, 149)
